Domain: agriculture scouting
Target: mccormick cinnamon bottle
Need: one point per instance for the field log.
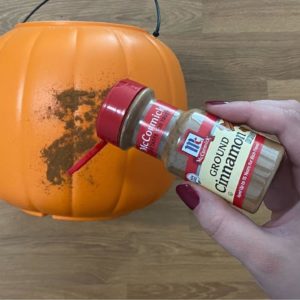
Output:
(231, 161)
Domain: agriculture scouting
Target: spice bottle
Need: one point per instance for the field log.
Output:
(229, 160)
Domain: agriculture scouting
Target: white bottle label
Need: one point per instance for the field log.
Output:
(221, 157)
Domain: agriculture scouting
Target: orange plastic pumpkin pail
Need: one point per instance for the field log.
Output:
(53, 77)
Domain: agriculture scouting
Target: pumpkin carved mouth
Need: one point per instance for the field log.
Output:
(78, 109)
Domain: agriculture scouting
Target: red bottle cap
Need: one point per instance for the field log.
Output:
(110, 118)
(114, 109)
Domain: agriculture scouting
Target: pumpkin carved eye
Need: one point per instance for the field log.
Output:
(50, 97)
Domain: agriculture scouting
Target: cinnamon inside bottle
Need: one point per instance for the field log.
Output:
(229, 160)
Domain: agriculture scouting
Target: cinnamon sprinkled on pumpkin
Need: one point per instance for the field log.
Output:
(79, 133)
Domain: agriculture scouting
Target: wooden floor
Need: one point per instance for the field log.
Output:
(229, 49)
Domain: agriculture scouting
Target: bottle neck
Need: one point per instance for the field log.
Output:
(148, 124)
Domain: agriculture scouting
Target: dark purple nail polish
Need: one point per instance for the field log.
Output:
(215, 102)
(188, 195)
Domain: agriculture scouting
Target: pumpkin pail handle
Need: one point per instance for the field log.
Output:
(158, 14)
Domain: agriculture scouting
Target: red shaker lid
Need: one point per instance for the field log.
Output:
(114, 108)
(110, 118)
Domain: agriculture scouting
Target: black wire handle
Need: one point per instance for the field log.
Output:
(158, 14)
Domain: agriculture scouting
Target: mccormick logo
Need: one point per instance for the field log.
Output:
(192, 144)
(153, 127)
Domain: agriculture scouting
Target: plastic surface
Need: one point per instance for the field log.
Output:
(43, 61)
(87, 157)
(114, 108)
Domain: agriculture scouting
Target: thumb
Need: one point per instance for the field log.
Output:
(231, 229)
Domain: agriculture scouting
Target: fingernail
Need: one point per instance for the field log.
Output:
(188, 195)
(215, 102)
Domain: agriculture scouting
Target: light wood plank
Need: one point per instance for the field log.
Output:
(228, 50)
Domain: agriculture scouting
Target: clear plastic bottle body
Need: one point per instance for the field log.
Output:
(265, 168)
(173, 135)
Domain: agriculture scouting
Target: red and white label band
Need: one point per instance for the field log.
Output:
(204, 131)
(194, 161)
(248, 170)
(153, 126)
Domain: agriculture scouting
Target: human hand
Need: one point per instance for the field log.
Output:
(270, 252)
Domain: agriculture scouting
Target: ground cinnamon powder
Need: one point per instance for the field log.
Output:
(79, 134)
